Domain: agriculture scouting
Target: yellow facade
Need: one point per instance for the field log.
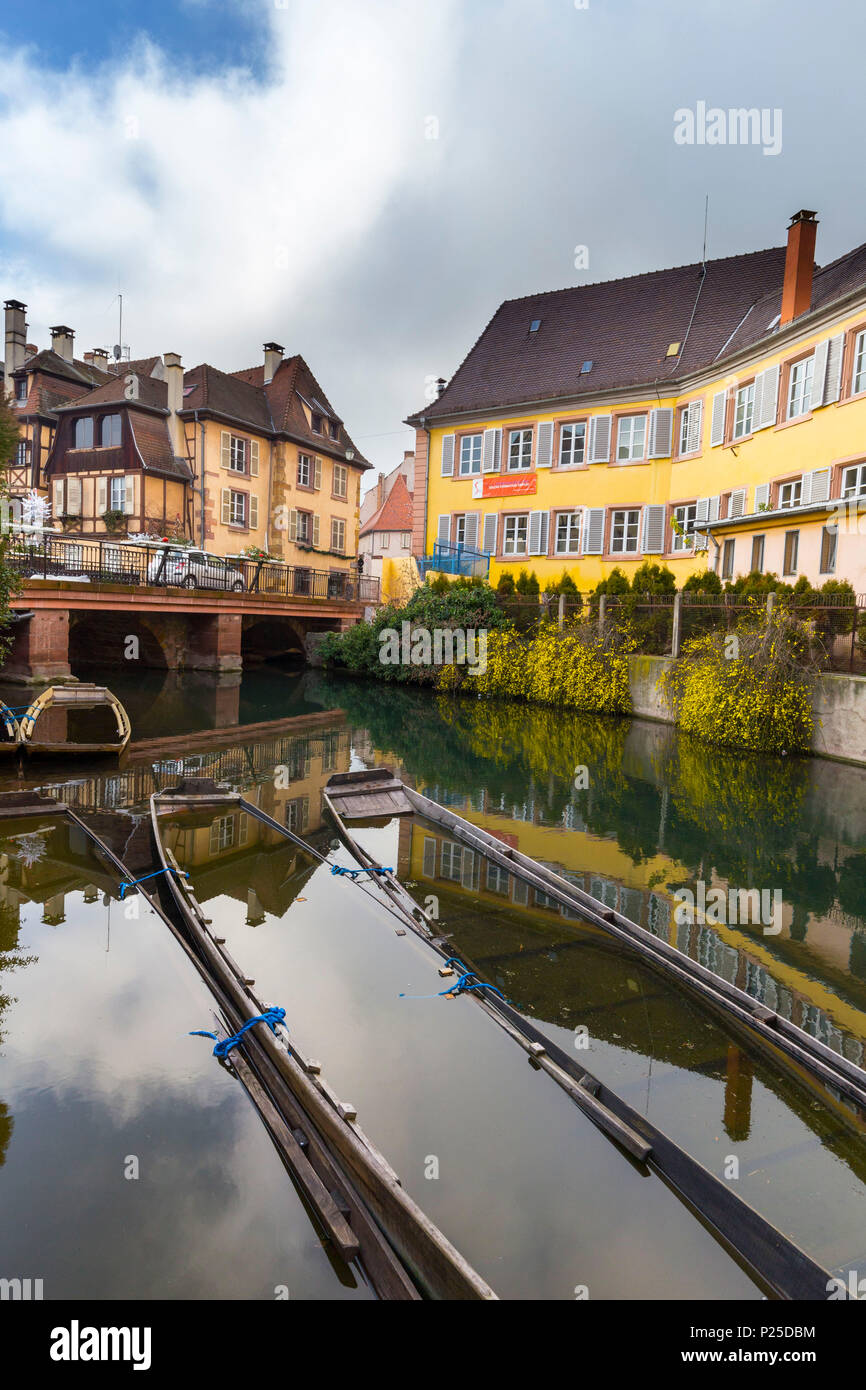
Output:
(743, 476)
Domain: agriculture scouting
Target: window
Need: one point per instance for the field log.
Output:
(222, 834)
(858, 382)
(84, 433)
(572, 445)
(109, 431)
(305, 470)
(792, 545)
(21, 453)
(685, 517)
(498, 880)
(631, 437)
(237, 454)
(21, 390)
(333, 430)
(341, 480)
(470, 454)
(406, 540)
(743, 410)
(789, 494)
(116, 494)
(758, 554)
(728, 559)
(568, 533)
(691, 418)
(384, 540)
(451, 861)
(624, 532)
(800, 388)
(305, 528)
(298, 814)
(519, 450)
(460, 530)
(316, 424)
(829, 537)
(338, 535)
(854, 481)
(237, 508)
(515, 535)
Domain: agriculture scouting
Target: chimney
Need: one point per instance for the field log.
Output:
(799, 264)
(16, 338)
(174, 382)
(273, 358)
(99, 357)
(440, 386)
(61, 341)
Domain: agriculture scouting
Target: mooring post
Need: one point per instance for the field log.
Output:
(677, 627)
(560, 612)
(601, 608)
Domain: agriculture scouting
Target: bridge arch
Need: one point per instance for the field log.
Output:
(115, 638)
(272, 638)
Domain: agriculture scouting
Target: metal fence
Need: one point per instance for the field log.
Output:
(663, 623)
(113, 562)
(456, 559)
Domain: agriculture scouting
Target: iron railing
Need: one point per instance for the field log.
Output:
(456, 559)
(115, 562)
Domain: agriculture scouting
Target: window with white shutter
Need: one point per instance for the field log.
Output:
(544, 445)
(762, 497)
(470, 535)
(737, 503)
(491, 523)
(317, 474)
(254, 512)
(226, 506)
(766, 399)
(653, 538)
(816, 486)
(833, 375)
(593, 531)
(599, 439)
(129, 494)
(57, 497)
(661, 432)
(73, 496)
(443, 529)
(448, 456)
(819, 371)
(858, 372)
(717, 423)
(225, 449)
(315, 528)
(254, 457)
(429, 867)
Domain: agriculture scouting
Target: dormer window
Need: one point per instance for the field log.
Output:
(109, 436)
(316, 424)
(333, 430)
(84, 433)
(21, 391)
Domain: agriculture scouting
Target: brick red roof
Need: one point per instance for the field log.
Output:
(830, 283)
(623, 327)
(292, 384)
(151, 391)
(153, 442)
(228, 395)
(395, 513)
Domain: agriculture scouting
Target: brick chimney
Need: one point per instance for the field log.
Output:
(174, 382)
(799, 265)
(273, 358)
(16, 338)
(99, 357)
(61, 342)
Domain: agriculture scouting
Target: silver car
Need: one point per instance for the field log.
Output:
(194, 569)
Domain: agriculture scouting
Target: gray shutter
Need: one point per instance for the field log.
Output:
(491, 522)
(815, 486)
(695, 433)
(443, 530)
(544, 446)
(769, 402)
(738, 502)
(654, 530)
(762, 495)
(833, 376)
(819, 372)
(470, 534)
(714, 509)
(492, 451)
(593, 531)
(448, 456)
(661, 432)
(599, 439)
(429, 869)
(717, 426)
(538, 533)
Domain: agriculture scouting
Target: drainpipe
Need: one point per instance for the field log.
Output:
(201, 474)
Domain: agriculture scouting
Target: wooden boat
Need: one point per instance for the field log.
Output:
(81, 696)
(335, 1151)
(9, 744)
(778, 1262)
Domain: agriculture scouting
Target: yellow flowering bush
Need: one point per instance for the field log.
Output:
(574, 669)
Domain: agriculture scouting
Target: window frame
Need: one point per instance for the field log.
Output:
(678, 543)
(573, 426)
(792, 540)
(81, 422)
(473, 439)
(807, 363)
(236, 525)
(305, 459)
(627, 513)
(859, 337)
(829, 543)
(747, 386)
(570, 517)
(522, 434)
(22, 390)
(795, 484)
(729, 548)
(109, 420)
(515, 517)
(630, 420)
(338, 546)
(341, 471)
(860, 470)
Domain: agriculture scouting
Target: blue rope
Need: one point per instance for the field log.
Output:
(463, 985)
(124, 885)
(353, 873)
(271, 1017)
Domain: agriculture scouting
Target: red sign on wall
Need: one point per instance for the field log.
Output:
(505, 485)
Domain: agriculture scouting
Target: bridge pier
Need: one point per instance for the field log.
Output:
(40, 649)
(214, 642)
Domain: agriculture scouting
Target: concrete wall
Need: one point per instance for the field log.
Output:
(839, 704)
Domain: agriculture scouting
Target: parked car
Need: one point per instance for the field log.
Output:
(193, 569)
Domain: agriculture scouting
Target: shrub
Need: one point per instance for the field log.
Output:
(505, 586)
(527, 584)
(576, 669)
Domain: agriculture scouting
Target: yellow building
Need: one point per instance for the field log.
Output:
(712, 414)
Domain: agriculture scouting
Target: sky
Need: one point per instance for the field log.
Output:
(364, 181)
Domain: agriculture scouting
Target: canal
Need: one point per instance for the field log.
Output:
(95, 1060)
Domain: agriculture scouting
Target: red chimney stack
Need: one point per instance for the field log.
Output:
(799, 265)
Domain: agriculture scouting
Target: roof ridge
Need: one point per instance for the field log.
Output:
(642, 275)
